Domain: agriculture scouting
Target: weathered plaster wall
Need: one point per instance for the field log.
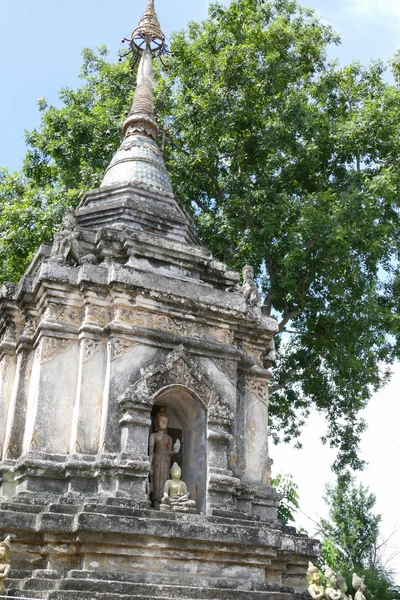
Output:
(7, 376)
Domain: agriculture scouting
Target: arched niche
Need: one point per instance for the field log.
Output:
(187, 412)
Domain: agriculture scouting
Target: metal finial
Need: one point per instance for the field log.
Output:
(147, 33)
(148, 30)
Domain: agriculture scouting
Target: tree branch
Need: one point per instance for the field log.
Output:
(272, 273)
(295, 332)
(288, 316)
(289, 377)
(279, 386)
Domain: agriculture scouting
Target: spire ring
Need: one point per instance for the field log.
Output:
(148, 31)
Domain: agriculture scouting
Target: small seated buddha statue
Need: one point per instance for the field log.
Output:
(176, 497)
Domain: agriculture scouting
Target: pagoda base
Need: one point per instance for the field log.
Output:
(66, 549)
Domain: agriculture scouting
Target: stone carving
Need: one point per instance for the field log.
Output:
(65, 245)
(153, 320)
(270, 355)
(360, 587)
(249, 287)
(179, 368)
(89, 348)
(315, 589)
(342, 585)
(66, 248)
(120, 347)
(259, 389)
(98, 314)
(9, 334)
(176, 496)
(254, 352)
(160, 452)
(227, 367)
(332, 592)
(51, 347)
(29, 326)
(179, 373)
(220, 414)
(5, 560)
(268, 471)
(69, 314)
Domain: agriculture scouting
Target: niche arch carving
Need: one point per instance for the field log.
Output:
(179, 383)
(177, 369)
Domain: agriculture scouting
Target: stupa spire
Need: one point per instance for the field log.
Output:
(139, 159)
(142, 116)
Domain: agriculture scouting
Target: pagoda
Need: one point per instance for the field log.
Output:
(123, 333)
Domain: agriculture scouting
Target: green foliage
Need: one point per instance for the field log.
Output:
(351, 539)
(28, 217)
(287, 163)
(381, 584)
(330, 554)
(291, 165)
(352, 524)
(290, 498)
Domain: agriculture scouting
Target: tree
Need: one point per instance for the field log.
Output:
(352, 540)
(287, 487)
(287, 163)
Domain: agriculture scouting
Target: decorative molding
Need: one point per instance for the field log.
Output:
(178, 368)
(69, 314)
(254, 352)
(220, 414)
(241, 382)
(97, 314)
(89, 348)
(179, 372)
(258, 388)
(227, 367)
(29, 326)
(52, 347)
(128, 144)
(176, 325)
(118, 347)
(9, 335)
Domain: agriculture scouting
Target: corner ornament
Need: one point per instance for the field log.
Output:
(249, 287)
(66, 249)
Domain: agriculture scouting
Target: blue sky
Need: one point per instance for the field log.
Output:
(40, 46)
(41, 42)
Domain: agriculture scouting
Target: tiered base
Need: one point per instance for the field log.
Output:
(68, 549)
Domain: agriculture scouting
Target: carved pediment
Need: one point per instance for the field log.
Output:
(178, 368)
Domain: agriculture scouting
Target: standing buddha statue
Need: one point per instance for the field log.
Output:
(160, 451)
